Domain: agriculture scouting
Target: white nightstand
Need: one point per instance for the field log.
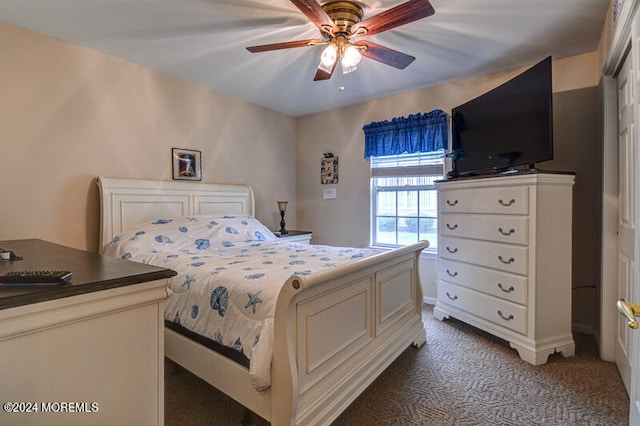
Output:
(303, 237)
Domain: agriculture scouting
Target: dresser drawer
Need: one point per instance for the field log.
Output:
(498, 228)
(506, 286)
(504, 200)
(505, 257)
(500, 312)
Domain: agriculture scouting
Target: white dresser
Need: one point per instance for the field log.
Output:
(504, 259)
(87, 352)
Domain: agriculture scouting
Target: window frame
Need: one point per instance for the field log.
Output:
(419, 165)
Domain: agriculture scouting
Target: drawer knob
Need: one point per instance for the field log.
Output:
(506, 262)
(509, 232)
(452, 227)
(452, 274)
(452, 203)
(509, 318)
(452, 297)
(507, 203)
(452, 250)
(506, 290)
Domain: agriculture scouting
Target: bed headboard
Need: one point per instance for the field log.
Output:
(125, 203)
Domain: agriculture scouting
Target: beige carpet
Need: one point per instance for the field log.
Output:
(462, 376)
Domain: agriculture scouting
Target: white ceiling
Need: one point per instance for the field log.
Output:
(203, 41)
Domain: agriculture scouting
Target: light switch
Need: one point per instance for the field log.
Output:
(329, 194)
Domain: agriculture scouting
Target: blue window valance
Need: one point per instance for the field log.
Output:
(425, 132)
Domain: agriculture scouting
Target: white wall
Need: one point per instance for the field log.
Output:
(70, 114)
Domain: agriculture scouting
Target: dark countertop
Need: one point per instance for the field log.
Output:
(91, 272)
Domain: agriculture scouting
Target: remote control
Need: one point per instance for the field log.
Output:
(35, 277)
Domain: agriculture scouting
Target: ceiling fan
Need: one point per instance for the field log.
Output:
(342, 29)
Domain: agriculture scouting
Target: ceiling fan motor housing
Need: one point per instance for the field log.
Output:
(344, 14)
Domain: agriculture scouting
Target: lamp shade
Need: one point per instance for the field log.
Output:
(329, 55)
(328, 58)
(282, 206)
(350, 59)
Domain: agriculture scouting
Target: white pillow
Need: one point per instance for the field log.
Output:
(188, 233)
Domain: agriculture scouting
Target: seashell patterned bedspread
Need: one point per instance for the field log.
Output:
(230, 272)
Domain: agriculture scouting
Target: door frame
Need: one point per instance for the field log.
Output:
(620, 47)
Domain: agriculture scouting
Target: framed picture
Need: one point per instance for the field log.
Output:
(329, 169)
(187, 164)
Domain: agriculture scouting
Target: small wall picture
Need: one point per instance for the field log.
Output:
(187, 164)
(329, 169)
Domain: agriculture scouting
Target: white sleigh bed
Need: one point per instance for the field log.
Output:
(334, 331)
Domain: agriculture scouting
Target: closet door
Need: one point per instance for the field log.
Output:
(626, 212)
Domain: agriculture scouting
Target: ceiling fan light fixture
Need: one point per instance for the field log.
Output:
(350, 59)
(328, 58)
(346, 69)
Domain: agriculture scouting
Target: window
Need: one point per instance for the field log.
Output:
(407, 156)
(403, 198)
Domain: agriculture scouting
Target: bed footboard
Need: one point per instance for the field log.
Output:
(336, 331)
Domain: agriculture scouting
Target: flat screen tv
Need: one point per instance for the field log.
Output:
(510, 126)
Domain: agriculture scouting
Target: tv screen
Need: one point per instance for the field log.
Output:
(510, 126)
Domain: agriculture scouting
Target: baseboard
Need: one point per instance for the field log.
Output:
(429, 300)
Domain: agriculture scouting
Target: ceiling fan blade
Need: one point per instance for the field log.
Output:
(402, 14)
(283, 45)
(385, 55)
(315, 13)
(324, 75)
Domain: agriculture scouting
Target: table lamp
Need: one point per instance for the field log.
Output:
(282, 206)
